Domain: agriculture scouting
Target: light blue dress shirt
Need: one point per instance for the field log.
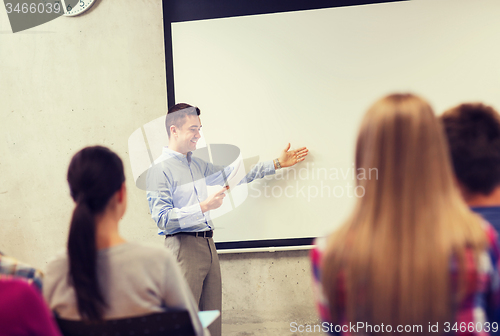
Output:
(177, 184)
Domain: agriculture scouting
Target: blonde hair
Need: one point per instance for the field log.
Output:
(395, 250)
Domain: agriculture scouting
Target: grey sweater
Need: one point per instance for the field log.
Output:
(135, 280)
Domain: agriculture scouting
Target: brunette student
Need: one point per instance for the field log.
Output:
(473, 133)
(411, 253)
(102, 276)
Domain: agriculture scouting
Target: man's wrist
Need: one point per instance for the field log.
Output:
(277, 164)
(203, 207)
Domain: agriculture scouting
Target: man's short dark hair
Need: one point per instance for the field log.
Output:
(473, 132)
(177, 113)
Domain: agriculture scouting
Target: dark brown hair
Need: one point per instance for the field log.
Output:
(95, 174)
(473, 132)
(177, 113)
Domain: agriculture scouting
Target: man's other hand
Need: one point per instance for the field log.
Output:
(213, 201)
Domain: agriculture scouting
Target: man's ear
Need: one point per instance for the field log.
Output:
(173, 130)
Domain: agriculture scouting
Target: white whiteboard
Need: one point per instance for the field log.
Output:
(308, 77)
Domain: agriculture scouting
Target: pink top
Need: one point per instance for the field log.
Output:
(23, 312)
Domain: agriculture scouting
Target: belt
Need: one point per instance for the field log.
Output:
(203, 234)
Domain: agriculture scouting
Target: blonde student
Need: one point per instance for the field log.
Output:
(411, 258)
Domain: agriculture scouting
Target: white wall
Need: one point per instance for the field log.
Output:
(70, 83)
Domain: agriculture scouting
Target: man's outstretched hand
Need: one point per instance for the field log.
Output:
(289, 157)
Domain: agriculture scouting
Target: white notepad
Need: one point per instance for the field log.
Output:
(208, 316)
(237, 174)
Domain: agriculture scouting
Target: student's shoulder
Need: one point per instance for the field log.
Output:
(320, 245)
(318, 250)
(9, 264)
(57, 261)
(492, 240)
(491, 233)
(54, 272)
(17, 289)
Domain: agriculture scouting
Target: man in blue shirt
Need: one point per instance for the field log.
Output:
(473, 132)
(180, 204)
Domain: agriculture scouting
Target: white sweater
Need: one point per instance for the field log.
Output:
(135, 280)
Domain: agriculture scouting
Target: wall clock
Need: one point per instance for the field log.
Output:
(79, 8)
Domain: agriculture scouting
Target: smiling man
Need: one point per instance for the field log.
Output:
(180, 204)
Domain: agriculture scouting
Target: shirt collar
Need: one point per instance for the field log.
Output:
(171, 153)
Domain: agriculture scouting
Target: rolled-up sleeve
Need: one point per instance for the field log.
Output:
(259, 171)
(166, 216)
